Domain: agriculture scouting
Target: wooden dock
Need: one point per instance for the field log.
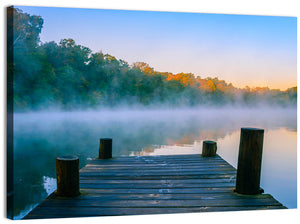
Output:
(137, 185)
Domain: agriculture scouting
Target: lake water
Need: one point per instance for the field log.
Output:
(40, 137)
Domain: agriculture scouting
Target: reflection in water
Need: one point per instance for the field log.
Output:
(279, 168)
(40, 137)
(49, 184)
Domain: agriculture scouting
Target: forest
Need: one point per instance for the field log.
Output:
(68, 76)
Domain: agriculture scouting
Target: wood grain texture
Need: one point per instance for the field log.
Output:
(249, 161)
(209, 148)
(154, 185)
(67, 173)
(105, 148)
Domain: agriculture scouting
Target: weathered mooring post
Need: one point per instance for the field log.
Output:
(209, 148)
(105, 148)
(249, 161)
(67, 174)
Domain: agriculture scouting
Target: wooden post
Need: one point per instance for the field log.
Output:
(105, 148)
(67, 174)
(249, 161)
(209, 148)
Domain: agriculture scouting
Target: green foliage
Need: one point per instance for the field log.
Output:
(26, 29)
(70, 76)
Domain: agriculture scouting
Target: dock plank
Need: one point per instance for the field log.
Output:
(136, 185)
(61, 212)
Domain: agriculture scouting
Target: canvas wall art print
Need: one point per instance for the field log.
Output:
(128, 112)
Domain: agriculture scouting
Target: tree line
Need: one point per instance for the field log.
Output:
(69, 76)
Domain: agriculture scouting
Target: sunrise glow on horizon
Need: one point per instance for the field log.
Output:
(254, 51)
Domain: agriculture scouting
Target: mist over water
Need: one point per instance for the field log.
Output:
(39, 137)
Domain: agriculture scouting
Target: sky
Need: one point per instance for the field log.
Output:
(240, 49)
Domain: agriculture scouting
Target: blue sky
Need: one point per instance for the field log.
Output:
(241, 49)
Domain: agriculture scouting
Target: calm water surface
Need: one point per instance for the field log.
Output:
(40, 137)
